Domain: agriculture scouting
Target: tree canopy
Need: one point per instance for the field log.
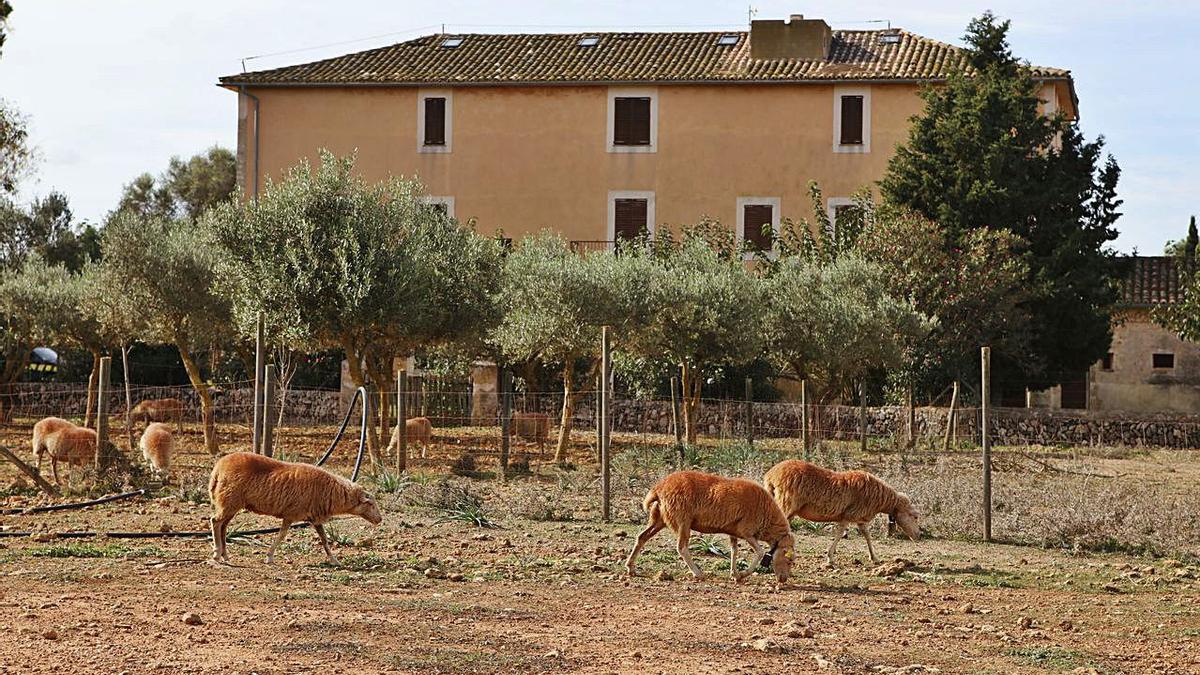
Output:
(982, 155)
(186, 189)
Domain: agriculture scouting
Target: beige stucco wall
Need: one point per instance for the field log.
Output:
(528, 158)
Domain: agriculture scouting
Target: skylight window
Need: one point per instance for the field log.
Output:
(451, 43)
(589, 41)
(727, 40)
(889, 39)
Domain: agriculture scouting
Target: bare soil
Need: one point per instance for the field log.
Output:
(424, 594)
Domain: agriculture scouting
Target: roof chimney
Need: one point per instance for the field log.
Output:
(796, 38)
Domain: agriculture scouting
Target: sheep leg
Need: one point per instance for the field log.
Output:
(758, 556)
(54, 469)
(325, 543)
(733, 556)
(651, 530)
(838, 531)
(283, 532)
(866, 533)
(685, 552)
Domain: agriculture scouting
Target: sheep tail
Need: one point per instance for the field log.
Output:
(650, 503)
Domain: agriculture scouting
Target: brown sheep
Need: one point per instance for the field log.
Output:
(843, 497)
(41, 436)
(292, 492)
(532, 426)
(417, 430)
(74, 445)
(688, 501)
(158, 444)
(159, 410)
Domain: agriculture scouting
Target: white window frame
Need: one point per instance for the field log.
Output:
(831, 205)
(632, 92)
(423, 94)
(614, 195)
(440, 199)
(851, 90)
(742, 203)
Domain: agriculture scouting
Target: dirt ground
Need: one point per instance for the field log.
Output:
(423, 593)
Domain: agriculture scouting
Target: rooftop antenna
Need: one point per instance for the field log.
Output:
(751, 12)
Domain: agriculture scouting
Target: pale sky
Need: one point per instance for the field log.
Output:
(116, 88)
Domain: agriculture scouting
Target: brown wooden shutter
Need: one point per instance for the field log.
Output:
(435, 121)
(852, 120)
(755, 218)
(631, 121)
(630, 218)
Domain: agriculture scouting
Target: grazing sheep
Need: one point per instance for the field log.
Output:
(417, 430)
(158, 444)
(843, 497)
(159, 410)
(41, 436)
(532, 426)
(690, 500)
(289, 491)
(73, 445)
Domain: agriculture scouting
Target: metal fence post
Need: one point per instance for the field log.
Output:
(605, 412)
(675, 428)
(267, 438)
(505, 419)
(401, 420)
(750, 411)
(102, 409)
(804, 419)
(260, 361)
(985, 400)
(862, 415)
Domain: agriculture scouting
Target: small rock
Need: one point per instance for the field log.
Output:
(552, 654)
(620, 534)
(805, 632)
(808, 599)
(664, 575)
(765, 621)
(50, 634)
(966, 608)
(456, 577)
(1111, 588)
(765, 645)
(192, 619)
(1066, 625)
(1025, 623)
(822, 662)
(893, 568)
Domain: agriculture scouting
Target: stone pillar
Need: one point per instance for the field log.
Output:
(485, 401)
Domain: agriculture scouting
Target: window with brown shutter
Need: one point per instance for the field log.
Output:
(629, 218)
(435, 121)
(852, 120)
(756, 222)
(631, 120)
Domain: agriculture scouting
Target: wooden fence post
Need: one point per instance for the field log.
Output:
(911, 427)
(260, 362)
(680, 457)
(128, 396)
(950, 417)
(605, 400)
(862, 416)
(599, 430)
(750, 411)
(102, 409)
(984, 401)
(804, 419)
(30, 471)
(401, 421)
(505, 419)
(267, 437)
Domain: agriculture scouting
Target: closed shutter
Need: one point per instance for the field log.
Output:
(1075, 393)
(630, 218)
(852, 120)
(631, 121)
(435, 121)
(755, 221)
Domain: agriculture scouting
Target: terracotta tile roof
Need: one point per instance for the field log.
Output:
(621, 57)
(1152, 280)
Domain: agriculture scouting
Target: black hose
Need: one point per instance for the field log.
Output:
(75, 505)
(151, 535)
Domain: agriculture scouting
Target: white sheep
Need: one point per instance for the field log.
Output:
(41, 436)
(690, 500)
(417, 430)
(843, 497)
(290, 491)
(158, 445)
(74, 445)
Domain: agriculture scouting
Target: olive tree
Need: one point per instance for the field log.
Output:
(834, 321)
(29, 314)
(332, 261)
(703, 309)
(166, 271)
(553, 302)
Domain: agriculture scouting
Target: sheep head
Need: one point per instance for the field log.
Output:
(365, 507)
(906, 517)
(782, 556)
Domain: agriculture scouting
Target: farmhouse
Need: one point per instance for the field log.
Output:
(1149, 369)
(603, 135)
